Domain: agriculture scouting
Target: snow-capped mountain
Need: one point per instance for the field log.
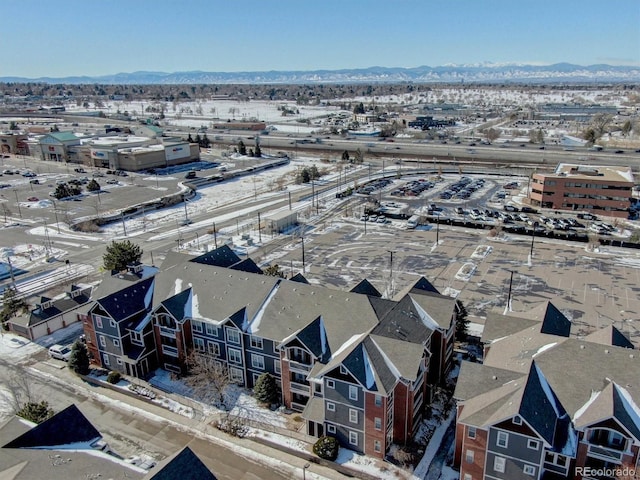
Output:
(482, 72)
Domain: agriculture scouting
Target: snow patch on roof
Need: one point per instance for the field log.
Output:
(387, 361)
(544, 348)
(585, 407)
(323, 338)
(254, 326)
(426, 319)
(368, 371)
(630, 406)
(347, 344)
(549, 392)
(148, 297)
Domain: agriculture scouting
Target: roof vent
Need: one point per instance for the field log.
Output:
(294, 290)
(495, 377)
(581, 347)
(606, 350)
(631, 355)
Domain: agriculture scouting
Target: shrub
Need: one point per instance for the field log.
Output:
(114, 377)
(326, 447)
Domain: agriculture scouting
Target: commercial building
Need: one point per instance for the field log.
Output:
(604, 190)
(359, 367)
(546, 406)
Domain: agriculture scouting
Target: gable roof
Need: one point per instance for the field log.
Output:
(247, 265)
(222, 256)
(475, 379)
(364, 287)
(130, 300)
(184, 465)
(498, 326)
(422, 284)
(554, 322)
(298, 277)
(65, 428)
(610, 336)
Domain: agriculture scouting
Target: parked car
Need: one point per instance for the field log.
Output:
(60, 352)
(32, 199)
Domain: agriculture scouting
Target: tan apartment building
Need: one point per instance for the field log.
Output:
(602, 190)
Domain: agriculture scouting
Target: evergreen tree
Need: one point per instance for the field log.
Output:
(305, 175)
(359, 158)
(242, 149)
(327, 447)
(313, 172)
(93, 186)
(190, 139)
(462, 322)
(258, 152)
(273, 271)
(345, 156)
(11, 304)
(206, 143)
(266, 389)
(121, 254)
(79, 359)
(35, 412)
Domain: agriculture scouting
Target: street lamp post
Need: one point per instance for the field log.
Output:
(533, 236)
(303, 265)
(304, 470)
(215, 237)
(17, 203)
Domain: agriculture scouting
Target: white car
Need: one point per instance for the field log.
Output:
(60, 352)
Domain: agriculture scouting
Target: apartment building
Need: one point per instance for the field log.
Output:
(357, 366)
(547, 406)
(600, 190)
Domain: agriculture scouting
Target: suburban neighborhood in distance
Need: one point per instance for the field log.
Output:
(299, 266)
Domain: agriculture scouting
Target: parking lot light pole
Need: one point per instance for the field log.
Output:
(533, 236)
(304, 470)
(17, 203)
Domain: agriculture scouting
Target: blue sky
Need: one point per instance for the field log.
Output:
(60, 38)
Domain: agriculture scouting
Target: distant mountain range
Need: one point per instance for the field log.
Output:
(515, 73)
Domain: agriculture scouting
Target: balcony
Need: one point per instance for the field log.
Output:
(167, 332)
(171, 351)
(300, 389)
(300, 367)
(605, 453)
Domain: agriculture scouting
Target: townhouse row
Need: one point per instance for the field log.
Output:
(357, 366)
(547, 406)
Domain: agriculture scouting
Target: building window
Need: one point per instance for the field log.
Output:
(116, 342)
(331, 407)
(106, 359)
(503, 439)
(378, 400)
(198, 343)
(112, 322)
(517, 420)
(136, 338)
(529, 470)
(331, 429)
(533, 444)
(276, 348)
(469, 456)
(214, 348)
(353, 415)
(233, 336)
(353, 438)
(103, 342)
(212, 330)
(98, 322)
(236, 376)
(471, 433)
(256, 342)
(276, 367)
(353, 392)
(331, 384)
(377, 423)
(257, 361)
(235, 356)
(118, 361)
(196, 326)
(343, 370)
(377, 446)
(498, 464)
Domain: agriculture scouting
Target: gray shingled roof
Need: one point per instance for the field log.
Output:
(610, 336)
(185, 465)
(498, 326)
(364, 287)
(222, 256)
(128, 301)
(475, 379)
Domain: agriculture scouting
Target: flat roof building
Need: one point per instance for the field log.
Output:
(604, 190)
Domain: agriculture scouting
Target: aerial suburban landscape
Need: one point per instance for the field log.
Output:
(266, 268)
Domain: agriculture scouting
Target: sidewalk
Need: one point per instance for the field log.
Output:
(199, 425)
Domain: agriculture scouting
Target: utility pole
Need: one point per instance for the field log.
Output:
(215, 237)
(259, 229)
(303, 266)
(124, 227)
(437, 230)
(509, 296)
(289, 200)
(533, 236)
(17, 203)
(391, 252)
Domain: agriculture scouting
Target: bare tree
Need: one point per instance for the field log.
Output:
(209, 379)
(600, 122)
(492, 134)
(16, 391)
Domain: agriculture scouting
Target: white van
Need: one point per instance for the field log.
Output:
(60, 352)
(413, 221)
